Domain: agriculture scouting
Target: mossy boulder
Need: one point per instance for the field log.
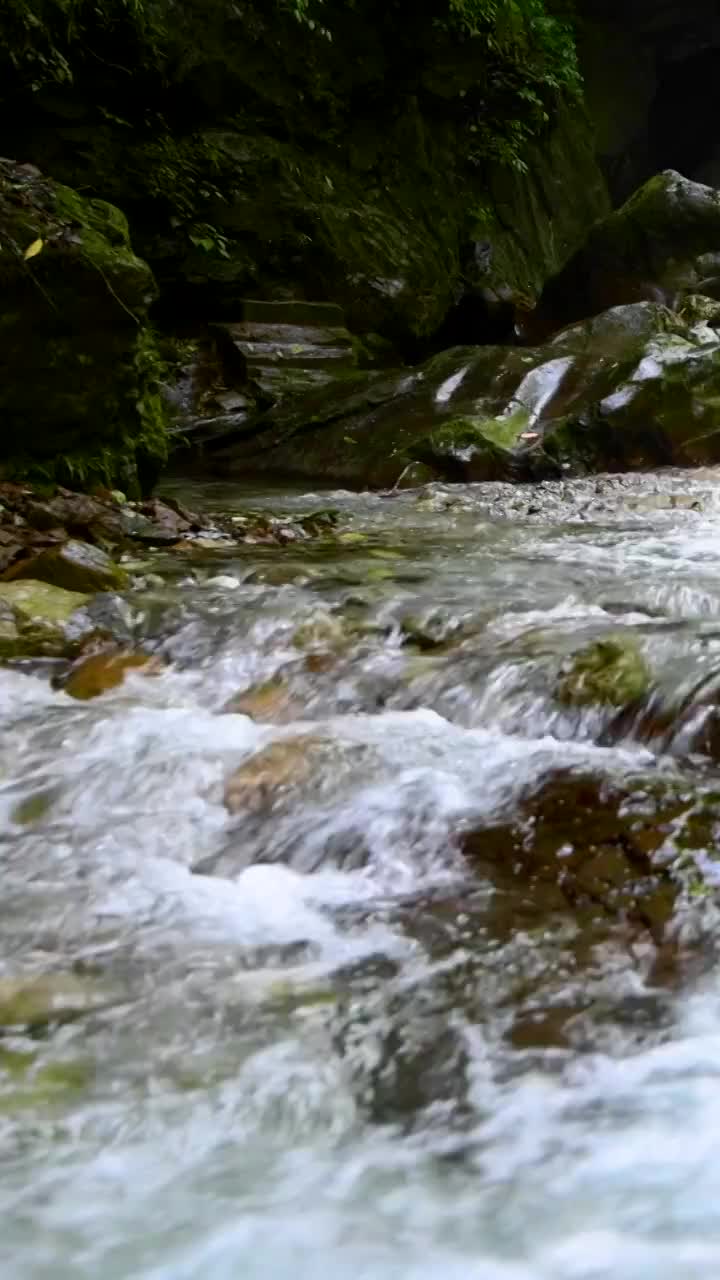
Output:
(79, 371)
(665, 239)
(75, 566)
(33, 618)
(609, 672)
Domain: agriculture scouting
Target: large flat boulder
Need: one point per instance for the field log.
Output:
(636, 386)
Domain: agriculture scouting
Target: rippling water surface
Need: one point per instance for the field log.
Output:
(308, 1038)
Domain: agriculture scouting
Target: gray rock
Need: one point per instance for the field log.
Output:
(74, 566)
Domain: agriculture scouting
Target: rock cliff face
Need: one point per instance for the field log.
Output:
(402, 168)
(427, 171)
(652, 84)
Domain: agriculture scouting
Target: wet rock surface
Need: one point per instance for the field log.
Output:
(611, 671)
(74, 566)
(633, 387)
(70, 550)
(599, 842)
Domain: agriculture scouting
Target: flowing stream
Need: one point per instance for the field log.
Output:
(308, 1038)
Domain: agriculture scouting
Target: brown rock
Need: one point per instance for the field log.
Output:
(71, 511)
(268, 702)
(191, 517)
(597, 840)
(96, 674)
(10, 549)
(276, 767)
(166, 518)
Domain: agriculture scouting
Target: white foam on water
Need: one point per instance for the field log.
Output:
(229, 1126)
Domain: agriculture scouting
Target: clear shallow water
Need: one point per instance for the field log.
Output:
(309, 1059)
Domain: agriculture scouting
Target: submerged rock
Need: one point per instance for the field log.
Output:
(99, 672)
(605, 844)
(268, 702)
(682, 721)
(255, 784)
(610, 672)
(36, 1002)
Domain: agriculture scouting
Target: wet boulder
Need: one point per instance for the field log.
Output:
(664, 239)
(610, 672)
(373, 428)
(35, 618)
(681, 721)
(258, 782)
(634, 387)
(99, 672)
(74, 566)
(607, 846)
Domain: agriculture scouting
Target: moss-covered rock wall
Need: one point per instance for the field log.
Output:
(390, 158)
(79, 393)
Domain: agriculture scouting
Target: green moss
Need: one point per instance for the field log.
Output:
(80, 375)
(26, 1085)
(151, 371)
(356, 168)
(464, 433)
(611, 672)
(476, 448)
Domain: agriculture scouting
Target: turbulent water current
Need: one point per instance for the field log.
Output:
(308, 1039)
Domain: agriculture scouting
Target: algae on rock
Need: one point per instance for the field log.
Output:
(610, 672)
(418, 157)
